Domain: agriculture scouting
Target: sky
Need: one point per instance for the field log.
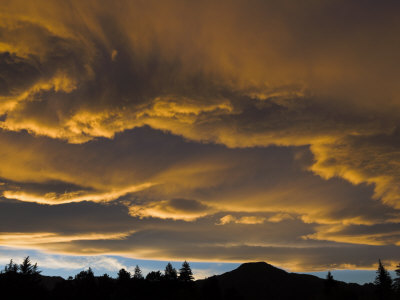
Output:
(219, 132)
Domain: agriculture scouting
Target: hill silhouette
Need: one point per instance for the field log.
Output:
(259, 280)
(255, 281)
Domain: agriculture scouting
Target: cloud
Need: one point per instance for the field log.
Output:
(65, 262)
(266, 114)
(53, 198)
(275, 218)
(177, 209)
(226, 220)
(279, 217)
(41, 238)
(242, 220)
(272, 200)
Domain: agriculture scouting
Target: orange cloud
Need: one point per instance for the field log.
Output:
(197, 112)
(53, 198)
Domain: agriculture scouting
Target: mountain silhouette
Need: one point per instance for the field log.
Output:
(259, 280)
(250, 281)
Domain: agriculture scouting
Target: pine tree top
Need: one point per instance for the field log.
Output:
(185, 272)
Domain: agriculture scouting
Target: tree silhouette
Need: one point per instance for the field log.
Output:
(26, 267)
(154, 276)
(11, 267)
(329, 277)
(21, 281)
(123, 284)
(185, 273)
(396, 281)
(329, 283)
(137, 275)
(170, 272)
(105, 286)
(124, 275)
(85, 275)
(383, 282)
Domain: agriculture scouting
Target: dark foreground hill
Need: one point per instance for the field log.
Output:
(262, 281)
(250, 281)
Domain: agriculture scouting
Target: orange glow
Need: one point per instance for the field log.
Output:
(233, 127)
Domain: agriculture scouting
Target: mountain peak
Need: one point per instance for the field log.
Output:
(260, 280)
(259, 265)
(254, 271)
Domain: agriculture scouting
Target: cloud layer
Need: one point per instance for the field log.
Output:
(227, 131)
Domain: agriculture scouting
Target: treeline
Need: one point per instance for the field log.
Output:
(24, 281)
(386, 287)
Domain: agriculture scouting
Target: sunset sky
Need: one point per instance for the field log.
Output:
(219, 132)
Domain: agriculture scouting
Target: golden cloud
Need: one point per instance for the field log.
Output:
(242, 220)
(183, 111)
(176, 209)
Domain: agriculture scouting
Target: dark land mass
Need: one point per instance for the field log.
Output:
(253, 281)
(263, 281)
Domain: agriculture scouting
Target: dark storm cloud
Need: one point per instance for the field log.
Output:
(71, 218)
(16, 73)
(234, 245)
(220, 116)
(270, 198)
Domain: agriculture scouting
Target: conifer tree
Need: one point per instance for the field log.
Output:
(11, 267)
(329, 283)
(383, 282)
(396, 281)
(124, 275)
(138, 273)
(185, 273)
(329, 276)
(26, 267)
(85, 275)
(170, 272)
(154, 276)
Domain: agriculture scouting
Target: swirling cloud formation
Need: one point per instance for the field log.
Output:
(226, 131)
